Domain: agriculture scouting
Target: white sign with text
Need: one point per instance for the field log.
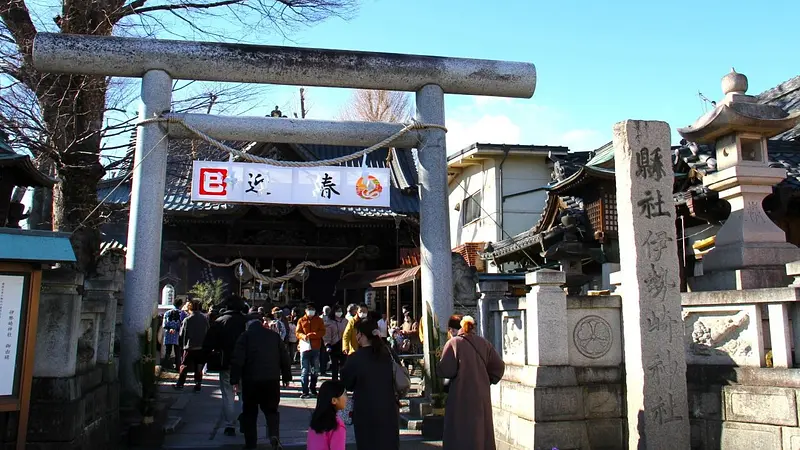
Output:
(11, 291)
(224, 182)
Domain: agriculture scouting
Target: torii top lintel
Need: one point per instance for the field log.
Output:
(213, 61)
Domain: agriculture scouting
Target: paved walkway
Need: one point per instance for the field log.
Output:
(200, 419)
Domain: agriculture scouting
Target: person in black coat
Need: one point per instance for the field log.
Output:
(221, 339)
(369, 373)
(259, 363)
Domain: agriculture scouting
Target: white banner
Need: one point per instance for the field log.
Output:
(225, 182)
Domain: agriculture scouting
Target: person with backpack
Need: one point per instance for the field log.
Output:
(274, 322)
(172, 329)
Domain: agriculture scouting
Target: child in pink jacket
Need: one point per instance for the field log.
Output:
(327, 431)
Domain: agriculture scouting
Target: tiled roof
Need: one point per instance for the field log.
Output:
(177, 196)
(781, 153)
(787, 96)
(177, 191)
(28, 175)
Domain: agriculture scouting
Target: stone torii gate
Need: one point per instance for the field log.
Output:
(159, 62)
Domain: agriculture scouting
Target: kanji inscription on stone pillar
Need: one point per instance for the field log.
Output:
(655, 362)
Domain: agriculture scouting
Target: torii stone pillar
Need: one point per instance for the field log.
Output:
(159, 61)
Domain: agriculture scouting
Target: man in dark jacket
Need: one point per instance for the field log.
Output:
(259, 363)
(221, 339)
(193, 334)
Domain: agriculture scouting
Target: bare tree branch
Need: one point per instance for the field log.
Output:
(72, 123)
(371, 105)
(137, 7)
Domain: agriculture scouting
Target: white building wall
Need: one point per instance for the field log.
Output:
(477, 178)
(521, 212)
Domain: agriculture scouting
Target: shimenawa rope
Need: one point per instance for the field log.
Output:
(171, 119)
(260, 277)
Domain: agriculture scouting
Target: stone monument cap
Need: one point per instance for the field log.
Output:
(545, 277)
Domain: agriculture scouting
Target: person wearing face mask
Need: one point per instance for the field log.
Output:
(349, 341)
(324, 356)
(310, 331)
(333, 340)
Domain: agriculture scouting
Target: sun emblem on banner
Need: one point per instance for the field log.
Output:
(368, 187)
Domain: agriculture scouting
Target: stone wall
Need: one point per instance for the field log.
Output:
(735, 408)
(75, 392)
(563, 385)
(562, 407)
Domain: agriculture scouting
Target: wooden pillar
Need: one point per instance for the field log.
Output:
(388, 300)
(397, 305)
(413, 300)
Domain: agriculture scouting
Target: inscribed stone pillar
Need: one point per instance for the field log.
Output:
(655, 362)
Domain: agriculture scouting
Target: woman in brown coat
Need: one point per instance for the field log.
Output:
(472, 365)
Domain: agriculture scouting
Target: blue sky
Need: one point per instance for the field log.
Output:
(596, 64)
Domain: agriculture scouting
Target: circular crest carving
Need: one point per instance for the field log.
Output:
(593, 337)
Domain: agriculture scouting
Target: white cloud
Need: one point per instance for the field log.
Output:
(497, 129)
(583, 139)
(506, 121)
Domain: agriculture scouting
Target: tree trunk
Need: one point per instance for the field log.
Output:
(76, 129)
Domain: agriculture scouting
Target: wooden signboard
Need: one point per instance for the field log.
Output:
(19, 312)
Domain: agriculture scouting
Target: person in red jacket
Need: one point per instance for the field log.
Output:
(310, 331)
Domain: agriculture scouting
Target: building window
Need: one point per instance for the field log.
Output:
(471, 208)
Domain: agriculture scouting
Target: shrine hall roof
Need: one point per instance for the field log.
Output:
(787, 96)
(177, 196)
(600, 165)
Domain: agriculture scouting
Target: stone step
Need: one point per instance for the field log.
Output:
(172, 424)
(410, 422)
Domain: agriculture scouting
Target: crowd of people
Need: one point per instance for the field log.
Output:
(253, 350)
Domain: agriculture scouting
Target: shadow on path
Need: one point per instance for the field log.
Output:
(201, 427)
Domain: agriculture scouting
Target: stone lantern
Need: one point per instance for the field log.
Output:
(750, 251)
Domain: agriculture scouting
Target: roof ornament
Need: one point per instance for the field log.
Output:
(734, 83)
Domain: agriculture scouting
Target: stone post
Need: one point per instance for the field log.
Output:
(793, 271)
(143, 262)
(615, 282)
(780, 332)
(437, 265)
(547, 334)
(491, 292)
(655, 362)
(59, 321)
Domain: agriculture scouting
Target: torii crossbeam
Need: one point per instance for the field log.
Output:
(159, 62)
